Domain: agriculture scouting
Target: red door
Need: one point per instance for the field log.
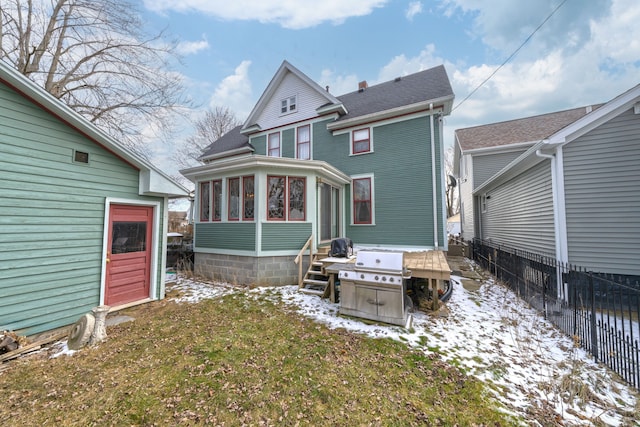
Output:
(128, 275)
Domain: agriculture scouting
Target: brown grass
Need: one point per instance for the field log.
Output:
(240, 360)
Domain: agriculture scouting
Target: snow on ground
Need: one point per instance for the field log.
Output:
(488, 331)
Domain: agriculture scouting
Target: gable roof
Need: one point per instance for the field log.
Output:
(529, 129)
(417, 91)
(545, 147)
(152, 181)
(232, 142)
(332, 104)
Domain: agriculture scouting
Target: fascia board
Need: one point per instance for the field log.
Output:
(393, 112)
(597, 117)
(259, 161)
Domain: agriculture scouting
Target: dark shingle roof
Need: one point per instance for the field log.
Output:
(529, 129)
(231, 140)
(413, 88)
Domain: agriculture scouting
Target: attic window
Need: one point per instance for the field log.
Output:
(80, 157)
(288, 105)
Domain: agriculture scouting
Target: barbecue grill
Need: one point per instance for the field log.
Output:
(374, 287)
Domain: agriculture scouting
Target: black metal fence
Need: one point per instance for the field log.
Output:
(601, 312)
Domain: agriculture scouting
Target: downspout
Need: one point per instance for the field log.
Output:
(433, 180)
(556, 221)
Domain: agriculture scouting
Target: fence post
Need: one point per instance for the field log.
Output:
(594, 331)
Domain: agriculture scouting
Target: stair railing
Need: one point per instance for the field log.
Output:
(298, 259)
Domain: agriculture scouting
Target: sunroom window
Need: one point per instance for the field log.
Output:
(286, 198)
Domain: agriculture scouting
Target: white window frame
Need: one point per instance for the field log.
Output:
(290, 104)
(351, 141)
(373, 200)
(298, 141)
(279, 144)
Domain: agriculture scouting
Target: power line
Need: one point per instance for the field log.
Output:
(511, 56)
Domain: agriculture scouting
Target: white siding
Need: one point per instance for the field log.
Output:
(520, 212)
(308, 100)
(466, 201)
(602, 194)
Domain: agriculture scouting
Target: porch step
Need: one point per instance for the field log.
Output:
(315, 282)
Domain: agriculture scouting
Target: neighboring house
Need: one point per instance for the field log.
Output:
(573, 194)
(453, 225)
(367, 165)
(83, 221)
(482, 151)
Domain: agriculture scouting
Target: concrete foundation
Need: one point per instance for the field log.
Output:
(246, 270)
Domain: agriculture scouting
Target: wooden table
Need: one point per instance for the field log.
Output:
(430, 265)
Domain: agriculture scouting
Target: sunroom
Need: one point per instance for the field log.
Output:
(254, 213)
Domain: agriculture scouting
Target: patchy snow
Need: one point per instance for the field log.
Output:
(493, 335)
(62, 350)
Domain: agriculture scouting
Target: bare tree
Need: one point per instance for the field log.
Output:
(452, 187)
(94, 56)
(208, 129)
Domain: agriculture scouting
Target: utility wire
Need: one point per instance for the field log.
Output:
(510, 56)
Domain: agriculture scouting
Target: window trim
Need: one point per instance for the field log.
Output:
(298, 143)
(371, 179)
(304, 198)
(483, 203)
(284, 199)
(242, 201)
(368, 139)
(203, 202)
(269, 144)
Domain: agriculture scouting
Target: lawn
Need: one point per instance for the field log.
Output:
(241, 359)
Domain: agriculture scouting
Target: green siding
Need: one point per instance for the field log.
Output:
(401, 164)
(51, 217)
(260, 144)
(278, 236)
(288, 143)
(239, 236)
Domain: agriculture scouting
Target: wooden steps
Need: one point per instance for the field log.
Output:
(315, 281)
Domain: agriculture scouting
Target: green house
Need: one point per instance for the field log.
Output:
(367, 165)
(83, 221)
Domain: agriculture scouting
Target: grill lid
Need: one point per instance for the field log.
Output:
(388, 261)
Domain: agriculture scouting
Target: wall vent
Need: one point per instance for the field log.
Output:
(80, 157)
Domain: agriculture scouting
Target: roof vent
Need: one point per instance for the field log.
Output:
(362, 86)
(589, 109)
(398, 79)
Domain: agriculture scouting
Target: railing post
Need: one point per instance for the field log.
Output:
(594, 331)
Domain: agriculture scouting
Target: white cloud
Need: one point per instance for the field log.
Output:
(293, 14)
(192, 47)
(235, 92)
(415, 7)
(585, 63)
(338, 85)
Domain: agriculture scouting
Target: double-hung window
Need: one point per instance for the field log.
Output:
(303, 142)
(362, 197)
(286, 198)
(273, 149)
(361, 141)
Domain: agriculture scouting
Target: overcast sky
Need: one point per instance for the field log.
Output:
(587, 52)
